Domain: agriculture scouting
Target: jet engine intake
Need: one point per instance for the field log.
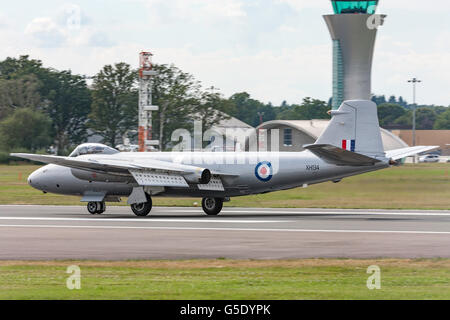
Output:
(201, 177)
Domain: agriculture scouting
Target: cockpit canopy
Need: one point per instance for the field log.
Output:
(92, 148)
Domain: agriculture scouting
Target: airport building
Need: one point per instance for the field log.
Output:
(294, 134)
(439, 138)
(353, 30)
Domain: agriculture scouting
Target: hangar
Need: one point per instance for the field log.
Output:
(293, 134)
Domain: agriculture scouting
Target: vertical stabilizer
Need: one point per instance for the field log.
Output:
(354, 127)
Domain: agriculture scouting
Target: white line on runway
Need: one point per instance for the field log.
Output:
(162, 210)
(141, 220)
(320, 212)
(229, 229)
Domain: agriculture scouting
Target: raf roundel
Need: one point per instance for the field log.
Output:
(264, 171)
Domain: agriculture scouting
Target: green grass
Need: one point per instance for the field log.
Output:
(227, 279)
(422, 186)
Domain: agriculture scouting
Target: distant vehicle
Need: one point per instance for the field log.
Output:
(350, 145)
(429, 158)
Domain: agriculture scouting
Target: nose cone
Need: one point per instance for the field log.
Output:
(33, 179)
(37, 179)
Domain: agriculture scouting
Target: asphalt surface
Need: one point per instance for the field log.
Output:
(69, 232)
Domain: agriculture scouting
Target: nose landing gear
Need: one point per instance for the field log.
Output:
(96, 207)
(212, 206)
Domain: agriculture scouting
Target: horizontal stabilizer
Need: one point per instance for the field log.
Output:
(408, 152)
(340, 157)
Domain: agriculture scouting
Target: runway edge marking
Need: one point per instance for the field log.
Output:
(230, 229)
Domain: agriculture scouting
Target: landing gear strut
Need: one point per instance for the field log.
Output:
(212, 206)
(142, 209)
(96, 207)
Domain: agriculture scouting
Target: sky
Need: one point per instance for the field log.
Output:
(274, 49)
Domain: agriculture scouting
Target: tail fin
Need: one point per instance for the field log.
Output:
(355, 127)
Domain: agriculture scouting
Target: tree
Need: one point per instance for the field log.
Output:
(425, 118)
(114, 102)
(268, 113)
(68, 103)
(25, 129)
(392, 100)
(213, 108)
(12, 68)
(62, 95)
(379, 99)
(402, 102)
(443, 121)
(247, 109)
(308, 110)
(388, 113)
(181, 101)
(19, 93)
(176, 93)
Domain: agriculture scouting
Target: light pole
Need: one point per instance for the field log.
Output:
(414, 81)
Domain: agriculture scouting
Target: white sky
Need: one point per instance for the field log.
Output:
(274, 49)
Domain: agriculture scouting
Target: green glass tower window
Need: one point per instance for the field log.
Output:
(338, 75)
(343, 7)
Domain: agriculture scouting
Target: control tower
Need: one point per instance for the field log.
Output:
(353, 29)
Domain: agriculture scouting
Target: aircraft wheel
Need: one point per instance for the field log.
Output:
(101, 207)
(92, 207)
(96, 207)
(142, 209)
(212, 206)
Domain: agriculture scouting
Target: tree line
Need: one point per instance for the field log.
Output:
(397, 113)
(42, 107)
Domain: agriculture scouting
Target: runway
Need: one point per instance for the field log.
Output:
(69, 232)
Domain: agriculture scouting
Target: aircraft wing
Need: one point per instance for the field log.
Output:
(340, 157)
(146, 172)
(107, 166)
(407, 152)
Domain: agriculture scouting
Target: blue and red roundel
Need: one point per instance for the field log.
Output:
(264, 171)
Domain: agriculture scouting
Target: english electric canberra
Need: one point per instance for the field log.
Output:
(350, 145)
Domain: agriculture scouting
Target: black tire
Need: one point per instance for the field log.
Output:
(212, 206)
(142, 209)
(92, 207)
(101, 207)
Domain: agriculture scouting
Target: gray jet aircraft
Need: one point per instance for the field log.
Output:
(350, 145)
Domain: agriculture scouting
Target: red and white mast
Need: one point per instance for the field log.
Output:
(146, 108)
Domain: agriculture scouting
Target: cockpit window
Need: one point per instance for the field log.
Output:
(92, 149)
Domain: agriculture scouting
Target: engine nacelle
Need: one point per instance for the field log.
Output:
(200, 177)
(98, 177)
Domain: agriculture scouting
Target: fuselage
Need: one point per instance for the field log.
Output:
(248, 173)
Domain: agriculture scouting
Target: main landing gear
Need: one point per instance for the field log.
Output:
(212, 206)
(96, 207)
(142, 209)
